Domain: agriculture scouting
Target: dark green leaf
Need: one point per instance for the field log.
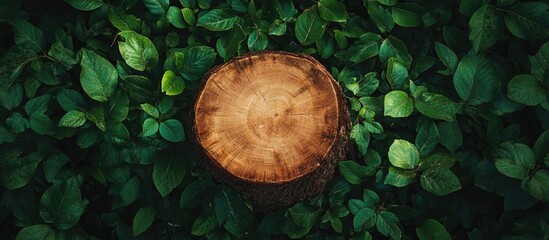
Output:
(432, 230)
(157, 6)
(476, 80)
(61, 204)
(257, 41)
(399, 177)
(332, 10)
(435, 106)
(427, 137)
(73, 119)
(143, 220)
(514, 160)
(528, 20)
(361, 136)
(203, 225)
(168, 173)
(217, 20)
(407, 14)
(195, 193)
(439, 181)
(17, 171)
(486, 28)
(172, 130)
(85, 5)
(309, 27)
(526, 89)
(537, 185)
(232, 212)
(27, 35)
(36, 232)
(197, 62)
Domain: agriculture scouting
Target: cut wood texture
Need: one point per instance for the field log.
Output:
(271, 125)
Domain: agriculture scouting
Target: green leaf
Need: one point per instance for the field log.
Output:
(514, 160)
(129, 191)
(353, 172)
(277, 28)
(427, 137)
(432, 230)
(476, 80)
(365, 218)
(195, 193)
(285, 10)
(150, 109)
(332, 10)
(175, 17)
(143, 220)
(85, 5)
(394, 47)
(98, 77)
(203, 224)
(11, 97)
(399, 177)
(157, 7)
(397, 74)
(407, 14)
(36, 232)
(172, 84)
(73, 119)
(70, 100)
(541, 147)
(309, 27)
(435, 106)
(537, 185)
(172, 130)
(380, 16)
(397, 104)
(528, 20)
(361, 136)
(150, 127)
(16, 171)
(198, 60)
(97, 116)
(188, 16)
(526, 89)
(41, 124)
(447, 57)
(37, 105)
(486, 28)
(122, 20)
(365, 48)
(28, 35)
(450, 135)
(138, 51)
(439, 181)
(62, 54)
(436, 160)
(117, 107)
(61, 204)
(232, 212)
(403, 154)
(387, 224)
(257, 41)
(168, 173)
(540, 63)
(217, 20)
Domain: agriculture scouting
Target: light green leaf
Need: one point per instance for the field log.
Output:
(61, 204)
(476, 80)
(432, 230)
(172, 130)
(189, 16)
(403, 154)
(387, 224)
(332, 10)
(62, 54)
(514, 160)
(157, 6)
(143, 220)
(217, 20)
(397, 104)
(168, 173)
(361, 136)
(150, 127)
(28, 35)
(98, 77)
(36, 232)
(138, 51)
(175, 17)
(172, 84)
(97, 116)
(528, 20)
(17, 171)
(203, 224)
(486, 28)
(399, 177)
(537, 185)
(85, 5)
(397, 74)
(257, 41)
(309, 27)
(436, 106)
(277, 28)
(366, 47)
(526, 89)
(365, 218)
(73, 119)
(439, 181)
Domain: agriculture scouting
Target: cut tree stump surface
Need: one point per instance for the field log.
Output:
(270, 118)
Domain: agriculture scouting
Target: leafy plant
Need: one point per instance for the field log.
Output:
(449, 101)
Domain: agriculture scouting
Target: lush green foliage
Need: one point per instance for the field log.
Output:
(449, 99)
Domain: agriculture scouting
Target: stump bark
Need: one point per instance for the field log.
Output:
(272, 125)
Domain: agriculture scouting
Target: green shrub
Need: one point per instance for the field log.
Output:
(449, 99)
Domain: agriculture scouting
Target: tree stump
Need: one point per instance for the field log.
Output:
(272, 125)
